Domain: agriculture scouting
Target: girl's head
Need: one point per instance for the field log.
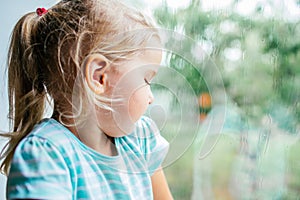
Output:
(81, 53)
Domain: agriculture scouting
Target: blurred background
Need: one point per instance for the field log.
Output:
(238, 136)
(246, 146)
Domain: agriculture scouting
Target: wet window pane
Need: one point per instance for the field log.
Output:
(240, 65)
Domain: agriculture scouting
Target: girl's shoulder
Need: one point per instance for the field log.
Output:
(47, 125)
(51, 129)
(49, 132)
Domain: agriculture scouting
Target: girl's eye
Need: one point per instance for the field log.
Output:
(147, 82)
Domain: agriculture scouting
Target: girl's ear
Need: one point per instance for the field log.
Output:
(95, 67)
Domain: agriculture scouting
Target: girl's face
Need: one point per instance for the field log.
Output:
(130, 83)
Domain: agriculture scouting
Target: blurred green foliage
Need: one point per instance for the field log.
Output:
(258, 56)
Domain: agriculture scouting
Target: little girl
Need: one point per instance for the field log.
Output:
(94, 59)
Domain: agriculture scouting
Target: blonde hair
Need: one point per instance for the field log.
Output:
(46, 54)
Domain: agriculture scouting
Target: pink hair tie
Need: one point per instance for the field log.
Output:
(41, 11)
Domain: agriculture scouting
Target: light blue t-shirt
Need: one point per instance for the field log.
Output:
(51, 163)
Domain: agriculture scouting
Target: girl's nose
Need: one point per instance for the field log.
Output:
(151, 97)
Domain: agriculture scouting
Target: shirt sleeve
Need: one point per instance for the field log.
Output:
(154, 146)
(38, 171)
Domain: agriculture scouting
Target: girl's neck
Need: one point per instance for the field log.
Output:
(92, 136)
(96, 139)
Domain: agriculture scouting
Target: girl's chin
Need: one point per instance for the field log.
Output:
(121, 130)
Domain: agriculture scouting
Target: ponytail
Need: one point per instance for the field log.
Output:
(25, 87)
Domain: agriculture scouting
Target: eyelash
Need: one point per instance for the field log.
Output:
(147, 82)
